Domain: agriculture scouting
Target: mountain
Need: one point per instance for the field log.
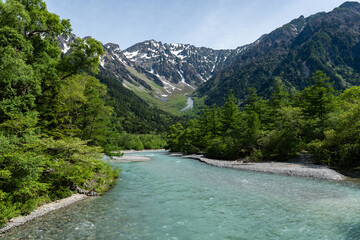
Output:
(134, 114)
(178, 65)
(161, 74)
(292, 53)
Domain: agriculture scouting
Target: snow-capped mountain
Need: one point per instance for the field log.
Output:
(160, 69)
(65, 42)
(178, 63)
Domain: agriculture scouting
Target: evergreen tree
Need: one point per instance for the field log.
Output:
(278, 97)
(256, 104)
(318, 100)
(210, 124)
(230, 116)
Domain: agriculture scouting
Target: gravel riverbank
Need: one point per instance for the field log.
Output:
(307, 170)
(125, 159)
(45, 209)
(133, 158)
(300, 167)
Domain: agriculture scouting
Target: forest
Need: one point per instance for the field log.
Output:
(54, 117)
(317, 120)
(58, 115)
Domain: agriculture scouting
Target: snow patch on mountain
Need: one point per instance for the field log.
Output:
(102, 62)
(131, 55)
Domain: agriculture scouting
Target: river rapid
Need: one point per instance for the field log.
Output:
(175, 198)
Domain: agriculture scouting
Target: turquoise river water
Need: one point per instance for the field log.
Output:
(175, 198)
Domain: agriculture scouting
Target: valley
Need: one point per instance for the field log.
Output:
(68, 104)
(162, 73)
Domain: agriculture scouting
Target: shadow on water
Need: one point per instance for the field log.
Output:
(350, 231)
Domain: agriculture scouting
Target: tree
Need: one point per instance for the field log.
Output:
(284, 141)
(318, 100)
(258, 105)
(209, 123)
(341, 145)
(230, 114)
(278, 96)
(173, 136)
(36, 168)
(80, 109)
(84, 55)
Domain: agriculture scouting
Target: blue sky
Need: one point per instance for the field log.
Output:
(211, 23)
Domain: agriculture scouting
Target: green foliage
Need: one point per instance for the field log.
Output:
(151, 141)
(341, 145)
(229, 116)
(51, 118)
(221, 148)
(279, 128)
(80, 109)
(173, 136)
(317, 100)
(130, 141)
(127, 141)
(284, 141)
(84, 55)
(131, 113)
(74, 163)
(21, 169)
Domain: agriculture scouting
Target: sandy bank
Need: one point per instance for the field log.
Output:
(45, 209)
(133, 158)
(125, 159)
(306, 170)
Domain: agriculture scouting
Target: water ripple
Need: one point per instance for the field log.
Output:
(175, 198)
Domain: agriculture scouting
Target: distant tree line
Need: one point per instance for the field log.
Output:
(317, 119)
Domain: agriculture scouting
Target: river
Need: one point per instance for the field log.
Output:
(175, 198)
(189, 105)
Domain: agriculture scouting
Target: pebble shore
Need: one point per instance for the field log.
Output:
(134, 158)
(306, 170)
(45, 209)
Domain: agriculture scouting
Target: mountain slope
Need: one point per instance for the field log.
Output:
(133, 113)
(292, 53)
(161, 74)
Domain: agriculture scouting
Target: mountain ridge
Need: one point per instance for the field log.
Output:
(176, 63)
(292, 53)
